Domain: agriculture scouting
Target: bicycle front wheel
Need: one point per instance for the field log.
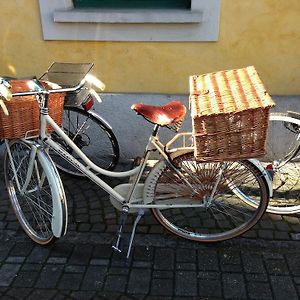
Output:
(91, 135)
(213, 199)
(283, 139)
(38, 200)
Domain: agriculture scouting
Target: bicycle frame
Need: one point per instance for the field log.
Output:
(153, 144)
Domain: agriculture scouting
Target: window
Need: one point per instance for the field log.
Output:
(170, 4)
(130, 20)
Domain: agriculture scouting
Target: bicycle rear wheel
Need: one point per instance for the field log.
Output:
(91, 135)
(282, 139)
(41, 208)
(226, 215)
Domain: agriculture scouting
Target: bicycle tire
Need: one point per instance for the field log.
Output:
(42, 209)
(92, 135)
(284, 170)
(227, 216)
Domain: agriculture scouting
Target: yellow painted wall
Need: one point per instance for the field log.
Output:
(263, 33)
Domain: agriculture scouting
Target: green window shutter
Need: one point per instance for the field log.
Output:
(170, 4)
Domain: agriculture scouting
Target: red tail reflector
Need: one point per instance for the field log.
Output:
(88, 104)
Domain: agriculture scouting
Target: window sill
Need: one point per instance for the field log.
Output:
(61, 21)
(140, 16)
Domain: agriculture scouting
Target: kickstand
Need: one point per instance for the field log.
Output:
(138, 217)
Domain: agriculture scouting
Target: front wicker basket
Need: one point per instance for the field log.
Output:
(24, 117)
(230, 113)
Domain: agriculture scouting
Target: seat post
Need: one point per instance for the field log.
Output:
(155, 130)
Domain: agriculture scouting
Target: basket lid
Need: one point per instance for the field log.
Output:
(228, 91)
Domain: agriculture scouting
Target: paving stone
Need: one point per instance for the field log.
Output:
(15, 259)
(143, 253)
(185, 283)
(45, 294)
(293, 263)
(119, 271)
(266, 224)
(94, 278)
(75, 269)
(98, 227)
(281, 235)
(162, 287)
(257, 277)
(210, 285)
(116, 283)
(5, 250)
(162, 274)
(21, 249)
(19, 293)
(70, 281)
(79, 295)
(276, 267)
(156, 229)
(295, 236)
(84, 227)
(25, 279)
(102, 251)
(186, 255)
(233, 285)
(99, 262)
(142, 264)
(282, 226)
(272, 255)
(31, 267)
(38, 255)
(230, 260)
(49, 276)
(57, 260)
(139, 281)
(266, 234)
(291, 220)
(295, 227)
(164, 259)
(8, 273)
(252, 262)
(259, 290)
(283, 287)
(81, 254)
(186, 266)
(208, 260)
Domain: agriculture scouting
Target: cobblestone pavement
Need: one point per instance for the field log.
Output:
(263, 264)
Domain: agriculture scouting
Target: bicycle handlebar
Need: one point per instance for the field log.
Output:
(45, 91)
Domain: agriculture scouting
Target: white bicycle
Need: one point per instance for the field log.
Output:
(200, 201)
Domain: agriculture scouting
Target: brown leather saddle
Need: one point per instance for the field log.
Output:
(164, 115)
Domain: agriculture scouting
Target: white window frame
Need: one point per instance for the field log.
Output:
(61, 21)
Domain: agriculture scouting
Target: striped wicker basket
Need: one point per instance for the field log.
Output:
(230, 111)
(24, 118)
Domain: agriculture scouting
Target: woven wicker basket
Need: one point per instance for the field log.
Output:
(230, 112)
(24, 118)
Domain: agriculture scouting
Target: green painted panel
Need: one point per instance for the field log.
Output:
(171, 4)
